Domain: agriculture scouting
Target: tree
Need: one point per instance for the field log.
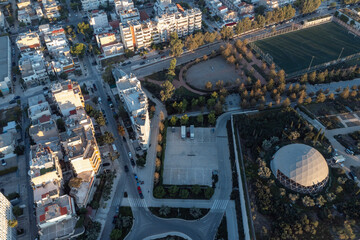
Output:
(226, 32)
(173, 120)
(209, 191)
(195, 189)
(161, 116)
(176, 45)
(321, 98)
(308, 6)
(184, 119)
(345, 93)
(17, 211)
(121, 130)
(78, 50)
(13, 223)
(116, 234)
(286, 102)
(16, 70)
(63, 75)
(308, 201)
(200, 119)
(168, 90)
(171, 72)
(19, 150)
(184, 193)
(159, 192)
(164, 210)
(173, 190)
(108, 137)
(208, 85)
(195, 212)
(212, 118)
(320, 201)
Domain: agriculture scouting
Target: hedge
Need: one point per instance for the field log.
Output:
(9, 170)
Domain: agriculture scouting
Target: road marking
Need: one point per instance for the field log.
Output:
(137, 203)
(220, 204)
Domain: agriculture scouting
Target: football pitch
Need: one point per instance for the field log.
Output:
(293, 51)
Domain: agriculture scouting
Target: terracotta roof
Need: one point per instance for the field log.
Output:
(42, 218)
(63, 210)
(44, 118)
(114, 24)
(222, 7)
(143, 15)
(73, 112)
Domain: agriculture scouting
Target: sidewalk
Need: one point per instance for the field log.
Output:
(102, 212)
(231, 221)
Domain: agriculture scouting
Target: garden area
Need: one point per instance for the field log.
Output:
(123, 224)
(103, 190)
(279, 213)
(350, 141)
(183, 213)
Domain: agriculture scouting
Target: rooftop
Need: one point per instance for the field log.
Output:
(4, 57)
(37, 99)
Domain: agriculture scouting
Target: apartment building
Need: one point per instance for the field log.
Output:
(121, 5)
(272, 4)
(136, 104)
(57, 45)
(8, 143)
(109, 45)
(23, 4)
(51, 8)
(136, 34)
(129, 15)
(33, 68)
(56, 218)
(5, 66)
(6, 214)
(25, 15)
(28, 41)
(89, 5)
(38, 10)
(164, 7)
(98, 19)
(244, 9)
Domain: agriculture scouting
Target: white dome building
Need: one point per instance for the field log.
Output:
(300, 168)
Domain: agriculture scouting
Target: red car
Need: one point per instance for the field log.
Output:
(139, 189)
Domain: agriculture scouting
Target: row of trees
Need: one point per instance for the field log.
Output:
(198, 39)
(330, 76)
(307, 6)
(174, 191)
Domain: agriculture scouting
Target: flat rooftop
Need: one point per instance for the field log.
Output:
(4, 57)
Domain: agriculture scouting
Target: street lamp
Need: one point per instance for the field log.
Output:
(311, 62)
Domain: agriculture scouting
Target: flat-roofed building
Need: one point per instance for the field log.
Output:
(6, 231)
(28, 41)
(98, 19)
(33, 68)
(5, 65)
(136, 104)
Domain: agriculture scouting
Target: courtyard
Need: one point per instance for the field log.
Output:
(189, 162)
(211, 70)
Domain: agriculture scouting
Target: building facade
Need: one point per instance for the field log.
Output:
(6, 214)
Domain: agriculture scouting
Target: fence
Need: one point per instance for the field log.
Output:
(347, 26)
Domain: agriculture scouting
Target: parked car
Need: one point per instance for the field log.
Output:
(114, 219)
(139, 189)
(141, 195)
(348, 151)
(117, 209)
(94, 86)
(130, 155)
(132, 162)
(17, 97)
(12, 101)
(3, 162)
(45, 88)
(106, 164)
(352, 175)
(126, 168)
(142, 63)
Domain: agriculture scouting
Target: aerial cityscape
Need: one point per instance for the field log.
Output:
(179, 119)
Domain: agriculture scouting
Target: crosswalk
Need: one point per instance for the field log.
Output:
(137, 203)
(219, 204)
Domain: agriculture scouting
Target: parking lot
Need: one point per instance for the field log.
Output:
(187, 161)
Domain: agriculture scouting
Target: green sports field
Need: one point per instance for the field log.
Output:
(293, 51)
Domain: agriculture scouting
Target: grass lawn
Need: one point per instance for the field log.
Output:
(183, 213)
(293, 51)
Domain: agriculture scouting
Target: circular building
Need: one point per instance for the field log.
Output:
(300, 168)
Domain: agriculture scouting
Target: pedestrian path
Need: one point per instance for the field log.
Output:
(137, 203)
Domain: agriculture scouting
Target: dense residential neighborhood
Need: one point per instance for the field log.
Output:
(169, 119)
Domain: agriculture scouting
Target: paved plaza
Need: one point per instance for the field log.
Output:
(187, 161)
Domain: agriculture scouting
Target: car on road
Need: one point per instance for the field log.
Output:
(163, 56)
(106, 164)
(3, 162)
(132, 162)
(130, 155)
(114, 219)
(141, 195)
(348, 151)
(94, 86)
(142, 63)
(136, 177)
(139, 189)
(17, 97)
(117, 209)
(126, 168)
(45, 88)
(352, 175)
(12, 101)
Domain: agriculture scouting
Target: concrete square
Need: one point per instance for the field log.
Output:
(187, 161)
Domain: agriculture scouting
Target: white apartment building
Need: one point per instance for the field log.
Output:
(23, 3)
(24, 16)
(2, 19)
(68, 97)
(33, 68)
(28, 41)
(135, 34)
(129, 15)
(57, 45)
(109, 45)
(122, 5)
(89, 5)
(6, 214)
(164, 6)
(136, 104)
(272, 4)
(51, 8)
(98, 19)
(56, 217)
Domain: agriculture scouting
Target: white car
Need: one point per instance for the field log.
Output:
(130, 155)
(3, 162)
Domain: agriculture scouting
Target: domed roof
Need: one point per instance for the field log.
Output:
(301, 163)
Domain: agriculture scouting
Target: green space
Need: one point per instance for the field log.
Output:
(293, 51)
(279, 213)
(183, 213)
(8, 170)
(123, 224)
(350, 141)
